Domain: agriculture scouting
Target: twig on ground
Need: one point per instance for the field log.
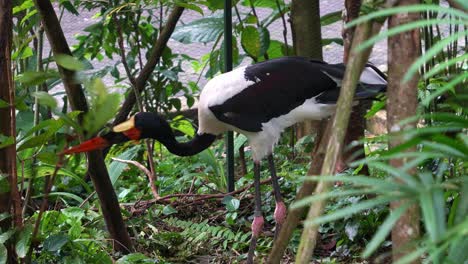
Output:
(144, 170)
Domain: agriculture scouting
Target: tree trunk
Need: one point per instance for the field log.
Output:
(403, 50)
(97, 168)
(10, 202)
(307, 42)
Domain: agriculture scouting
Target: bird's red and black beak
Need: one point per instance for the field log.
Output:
(121, 133)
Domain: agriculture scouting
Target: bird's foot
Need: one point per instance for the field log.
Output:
(257, 227)
(280, 216)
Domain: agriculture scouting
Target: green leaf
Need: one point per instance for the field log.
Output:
(6, 141)
(215, 4)
(55, 242)
(190, 6)
(3, 254)
(261, 3)
(328, 41)
(255, 41)
(168, 210)
(103, 107)
(6, 235)
(353, 209)
(69, 62)
(3, 104)
(232, 204)
(135, 258)
(24, 241)
(24, 5)
(449, 86)
(36, 77)
(183, 125)
(203, 30)
(116, 168)
(330, 18)
(384, 229)
(45, 99)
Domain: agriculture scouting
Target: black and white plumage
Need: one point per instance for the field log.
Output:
(259, 101)
(263, 99)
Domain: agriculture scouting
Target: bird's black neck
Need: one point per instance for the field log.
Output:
(189, 148)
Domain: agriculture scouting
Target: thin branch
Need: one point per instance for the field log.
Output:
(145, 171)
(285, 28)
(45, 200)
(153, 59)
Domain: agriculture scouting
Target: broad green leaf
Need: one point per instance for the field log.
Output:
(3, 254)
(6, 141)
(55, 242)
(69, 7)
(24, 241)
(41, 139)
(183, 125)
(116, 168)
(36, 77)
(6, 235)
(215, 4)
(190, 6)
(255, 41)
(168, 210)
(262, 3)
(135, 258)
(330, 18)
(3, 104)
(384, 229)
(328, 41)
(69, 62)
(232, 204)
(449, 86)
(24, 5)
(4, 216)
(45, 99)
(203, 30)
(103, 107)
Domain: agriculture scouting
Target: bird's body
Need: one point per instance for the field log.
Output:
(259, 101)
(263, 99)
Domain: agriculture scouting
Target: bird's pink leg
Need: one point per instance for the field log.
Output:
(280, 210)
(257, 224)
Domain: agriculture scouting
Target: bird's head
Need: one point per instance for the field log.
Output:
(140, 126)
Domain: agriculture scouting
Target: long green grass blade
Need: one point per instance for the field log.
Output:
(365, 181)
(328, 195)
(446, 64)
(385, 229)
(438, 47)
(406, 27)
(353, 209)
(407, 9)
(449, 86)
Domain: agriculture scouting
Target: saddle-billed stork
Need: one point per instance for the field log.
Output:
(259, 101)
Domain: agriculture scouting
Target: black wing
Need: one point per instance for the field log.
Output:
(280, 86)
